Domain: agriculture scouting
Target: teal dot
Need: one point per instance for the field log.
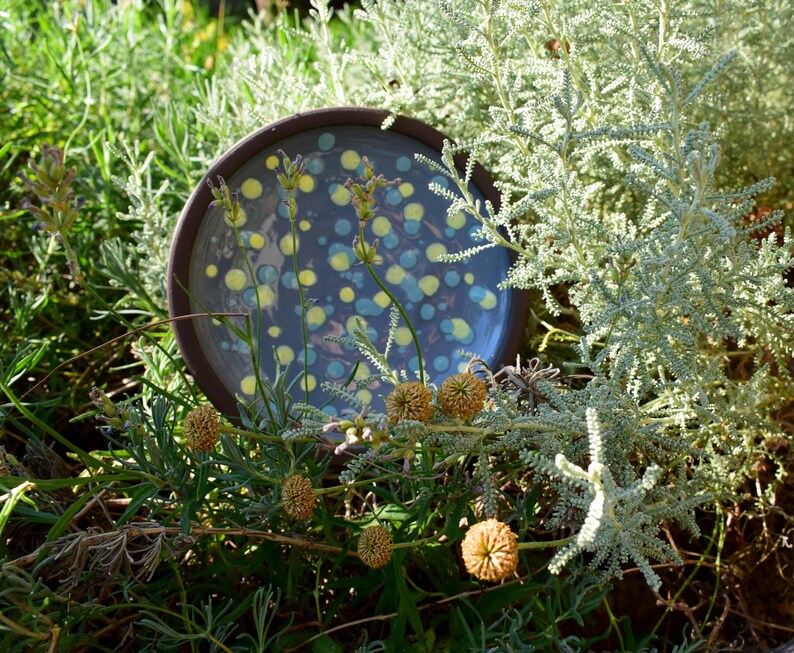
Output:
(447, 326)
(390, 240)
(412, 289)
(336, 370)
(283, 210)
(322, 241)
(408, 258)
(249, 297)
(315, 166)
(427, 312)
(440, 180)
(289, 280)
(225, 346)
(411, 227)
(312, 354)
(394, 197)
(477, 294)
(326, 141)
(367, 307)
(245, 236)
(449, 232)
(403, 164)
(441, 363)
(266, 273)
(452, 278)
(343, 227)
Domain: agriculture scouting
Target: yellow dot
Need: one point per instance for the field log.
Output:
(285, 354)
(306, 184)
(211, 271)
(362, 372)
(460, 328)
(311, 382)
(435, 251)
(271, 162)
(414, 211)
(248, 385)
(429, 284)
(350, 159)
(315, 315)
(457, 220)
(274, 331)
(489, 301)
(347, 294)
(395, 274)
(402, 336)
(353, 321)
(266, 295)
(365, 395)
(242, 218)
(382, 299)
(307, 277)
(304, 225)
(468, 278)
(257, 241)
(406, 189)
(340, 196)
(285, 244)
(340, 262)
(235, 279)
(251, 189)
(381, 226)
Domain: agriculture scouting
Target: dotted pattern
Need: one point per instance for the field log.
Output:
(454, 306)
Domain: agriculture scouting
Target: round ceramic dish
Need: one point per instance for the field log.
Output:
(454, 307)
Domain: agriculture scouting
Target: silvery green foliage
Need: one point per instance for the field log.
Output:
(604, 126)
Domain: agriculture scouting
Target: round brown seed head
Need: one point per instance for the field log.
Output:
(490, 550)
(375, 546)
(298, 496)
(461, 395)
(202, 427)
(409, 400)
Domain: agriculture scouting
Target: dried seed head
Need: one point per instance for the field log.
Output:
(202, 427)
(409, 400)
(490, 550)
(461, 395)
(375, 546)
(299, 497)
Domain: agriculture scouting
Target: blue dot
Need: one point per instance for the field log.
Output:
(390, 240)
(336, 370)
(442, 306)
(403, 164)
(328, 309)
(315, 166)
(283, 210)
(427, 312)
(441, 363)
(225, 346)
(289, 280)
(413, 364)
(266, 273)
(475, 233)
(245, 236)
(441, 181)
(394, 197)
(447, 326)
(283, 193)
(408, 258)
(371, 333)
(322, 241)
(326, 141)
(452, 278)
(343, 227)
(449, 232)
(411, 227)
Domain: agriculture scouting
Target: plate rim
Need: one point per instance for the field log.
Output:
(189, 222)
